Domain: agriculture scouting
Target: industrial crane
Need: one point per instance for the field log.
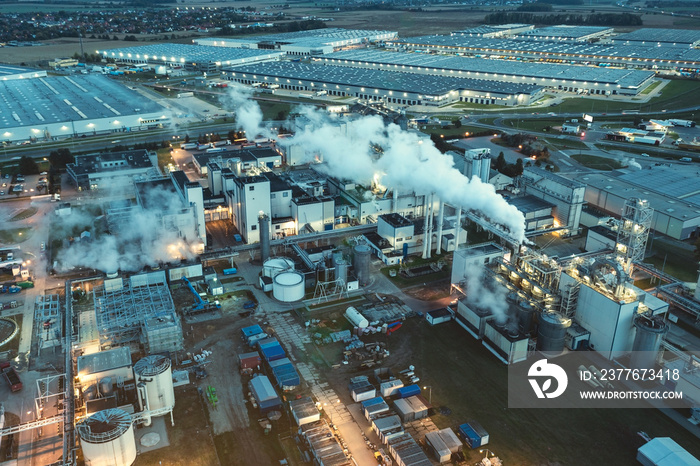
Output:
(201, 305)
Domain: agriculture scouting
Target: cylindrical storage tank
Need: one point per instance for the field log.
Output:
(107, 438)
(514, 278)
(276, 265)
(288, 287)
(106, 386)
(552, 332)
(537, 292)
(155, 373)
(90, 392)
(264, 227)
(112, 273)
(646, 344)
(355, 318)
(341, 270)
(235, 165)
(361, 258)
(525, 314)
(525, 285)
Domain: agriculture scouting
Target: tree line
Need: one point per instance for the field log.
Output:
(594, 19)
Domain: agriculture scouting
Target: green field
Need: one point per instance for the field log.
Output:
(15, 235)
(596, 162)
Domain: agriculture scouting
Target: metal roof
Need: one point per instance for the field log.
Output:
(262, 388)
(313, 37)
(654, 35)
(598, 51)
(7, 71)
(186, 53)
(471, 67)
(378, 79)
(104, 361)
(111, 161)
(566, 32)
(680, 184)
(41, 101)
(530, 203)
(664, 451)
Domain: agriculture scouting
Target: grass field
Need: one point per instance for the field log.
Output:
(561, 143)
(674, 260)
(24, 214)
(597, 163)
(15, 235)
(466, 378)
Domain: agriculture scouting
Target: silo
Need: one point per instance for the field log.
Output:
(107, 438)
(288, 287)
(341, 270)
(361, 257)
(485, 168)
(106, 386)
(154, 383)
(552, 332)
(525, 313)
(275, 265)
(235, 165)
(646, 344)
(264, 226)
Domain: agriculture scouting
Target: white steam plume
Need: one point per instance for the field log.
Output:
(631, 163)
(485, 294)
(406, 161)
(140, 239)
(249, 116)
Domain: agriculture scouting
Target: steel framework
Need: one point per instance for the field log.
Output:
(633, 231)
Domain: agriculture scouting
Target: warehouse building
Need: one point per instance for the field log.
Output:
(658, 37)
(202, 58)
(495, 30)
(583, 53)
(113, 170)
(566, 78)
(12, 72)
(312, 42)
(390, 87)
(567, 33)
(60, 107)
(671, 193)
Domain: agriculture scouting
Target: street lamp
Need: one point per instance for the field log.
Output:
(430, 393)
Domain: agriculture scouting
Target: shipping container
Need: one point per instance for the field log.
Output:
(230, 271)
(472, 433)
(409, 390)
(272, 353)
(249, 360)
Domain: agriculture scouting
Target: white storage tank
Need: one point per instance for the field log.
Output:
(277, 265)
(107, 438)
(288, 287)
(355, 318)
(154, 382)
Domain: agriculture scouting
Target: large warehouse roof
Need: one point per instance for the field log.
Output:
(42, 101)
(315, 37)
(679, 184)
(655, 35)
(623, 78)
(8, 72)
(377, 79)
(566, 32)
(598, 52)
(185, 53)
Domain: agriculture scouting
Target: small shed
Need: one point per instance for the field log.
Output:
(266, 283)
(437, 446)
(438, 316)
(249, 360)
(390, 388)
(420, 409)
(404, 410)
(215, 286)
(264, 394)
(304, 411)
(374, 407)
(362, 390)
(474, 434)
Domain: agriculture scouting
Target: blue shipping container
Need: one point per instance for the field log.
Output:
(475, 435)
(372, 401)
(409, 390)
(272, 353)
(230, 271)
(252, 330)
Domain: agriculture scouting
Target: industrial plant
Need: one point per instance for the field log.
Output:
(336, 286)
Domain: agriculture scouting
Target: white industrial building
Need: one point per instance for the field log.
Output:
(203, 58)
(566, 33)
(311, 42)
(671, 193)
(659, 37)
(12, 72)
(565, 194)
(546, 75)
(113, 170)
(388, 85)
(495, 30)
(61, 107)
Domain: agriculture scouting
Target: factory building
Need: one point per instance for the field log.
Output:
(202, 58)
(537, 212)
(565, 194)
(383, 85)
(312, 42)
(553, 76)
(113, 170)
(495, 30)
(240, 160)
(192, 197)
(566, 33)
(658, 37)
(12, 72)
(61, 107)
(477, 163)
(596, 54)
(671, 193)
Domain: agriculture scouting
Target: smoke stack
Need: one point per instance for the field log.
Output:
(396, 200)
(441, 213)
(458, 227)
(264, 227)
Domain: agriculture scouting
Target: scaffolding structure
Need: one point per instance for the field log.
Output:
(138, 314)
(47, 312)
(633, 231)
(330, 290)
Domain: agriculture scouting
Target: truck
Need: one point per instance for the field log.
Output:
(203, 146)
(646, 140)
(686, 159)
(684, 123)
(11, 376)
(188, 145)
(26, 284)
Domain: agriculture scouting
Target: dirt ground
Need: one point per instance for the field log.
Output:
(435, 290)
